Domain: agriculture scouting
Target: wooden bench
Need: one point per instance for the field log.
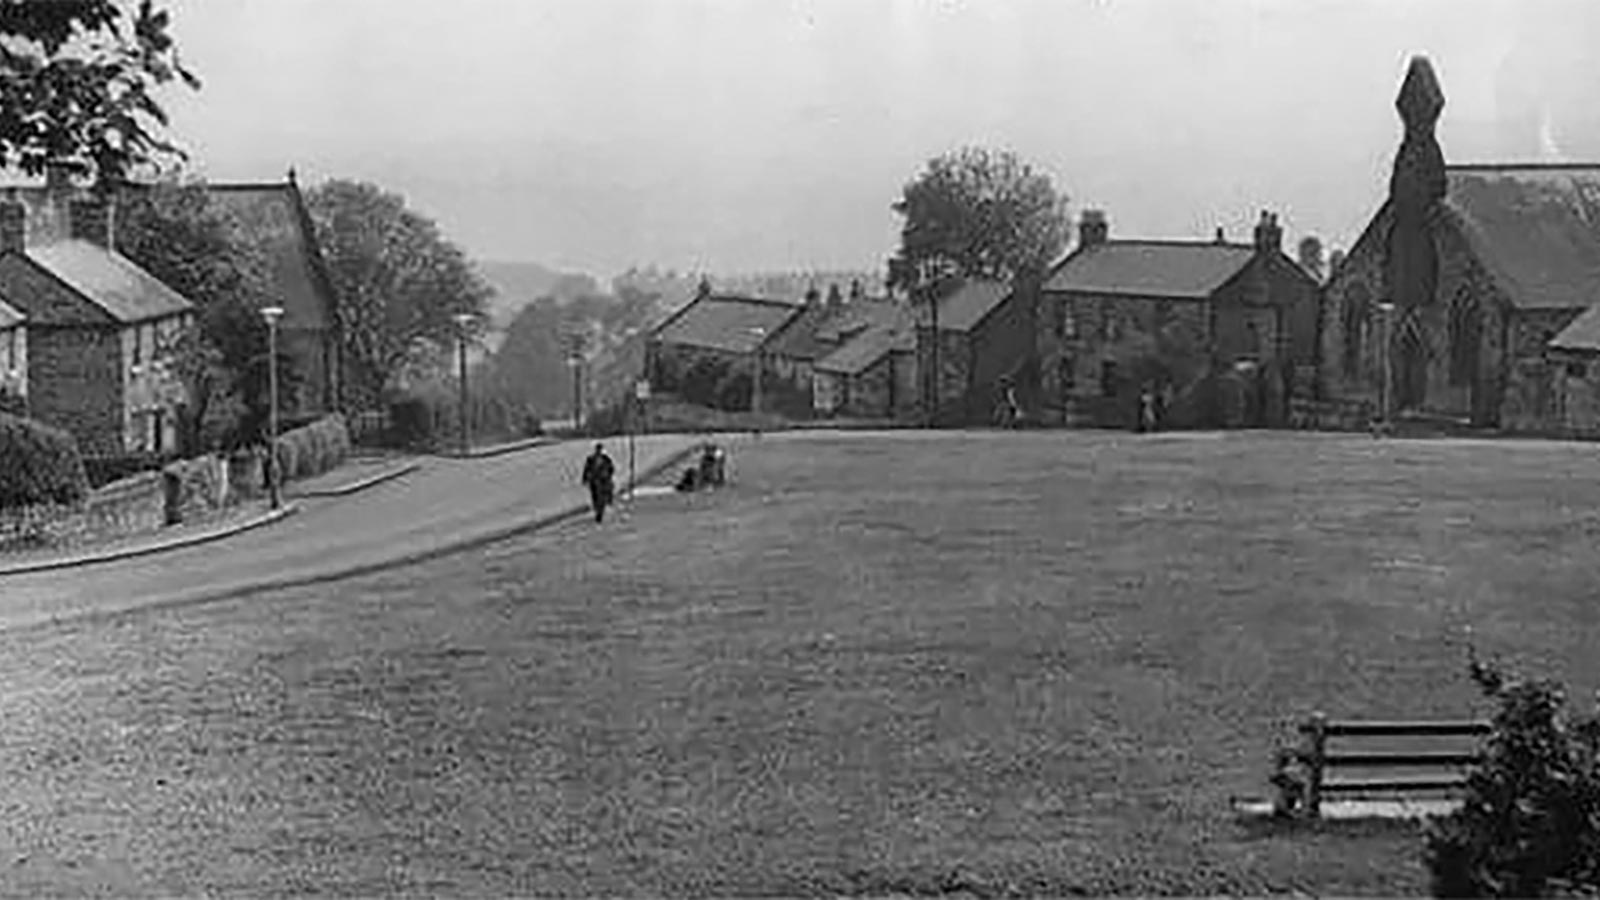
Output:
(1304, 796)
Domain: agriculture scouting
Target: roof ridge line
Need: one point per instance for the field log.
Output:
(1179, 242)
(1513, 166)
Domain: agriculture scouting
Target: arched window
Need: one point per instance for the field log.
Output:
(1357, 309)
(1466, 336)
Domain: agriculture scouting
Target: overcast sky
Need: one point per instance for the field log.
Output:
(774, 134)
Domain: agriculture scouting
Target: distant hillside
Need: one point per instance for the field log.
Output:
(517, 284)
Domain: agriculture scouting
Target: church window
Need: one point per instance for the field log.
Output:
(1357, 307)
(1466, 334)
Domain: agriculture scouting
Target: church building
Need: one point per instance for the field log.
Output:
(1465, 298)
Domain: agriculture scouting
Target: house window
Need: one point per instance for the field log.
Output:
(1066, 375)
(138, 346)
(1108, 378)
(11, 349)
(1577, 370)
(1066, 320)
(1105, 320)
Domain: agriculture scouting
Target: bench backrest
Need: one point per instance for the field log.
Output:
(1318, 730)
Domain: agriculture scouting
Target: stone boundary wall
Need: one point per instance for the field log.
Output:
(131, 506)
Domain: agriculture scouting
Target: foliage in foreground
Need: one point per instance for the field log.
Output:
(38, 464)
(1530, 822)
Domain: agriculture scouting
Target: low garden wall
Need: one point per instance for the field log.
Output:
(130, 506)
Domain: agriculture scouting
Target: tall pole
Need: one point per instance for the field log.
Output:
(577, 394)
(461, 354)
(632, 469)
(463, 320)
(274, 477)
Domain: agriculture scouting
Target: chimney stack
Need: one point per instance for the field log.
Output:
(1092, 228)
(1269, 237)
(13, 225)
(89, 219)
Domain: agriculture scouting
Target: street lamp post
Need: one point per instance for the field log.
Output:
(1386, 393)
(575, 360)
(274, 488)
(641, 394)
(463, 322)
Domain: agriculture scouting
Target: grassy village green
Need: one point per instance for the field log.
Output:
(896, 664)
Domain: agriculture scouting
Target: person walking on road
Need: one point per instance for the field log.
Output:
(598, 472)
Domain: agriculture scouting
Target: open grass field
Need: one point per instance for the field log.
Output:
(906, 664)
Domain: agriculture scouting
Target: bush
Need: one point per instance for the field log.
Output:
(312, 449)
(38, 464)
(411, 421)
(1529, 825)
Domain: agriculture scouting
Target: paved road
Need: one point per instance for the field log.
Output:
(445, 503)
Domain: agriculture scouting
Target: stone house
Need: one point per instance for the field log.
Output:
(96, 323)
(13, 353)
(274, 216)
(1218, 330)
(789, 359)
(714, 338)
(1469, 297)
(984, 340)
(870, 371)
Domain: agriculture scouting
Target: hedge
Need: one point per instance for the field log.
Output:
(313, 449)
(38, 464)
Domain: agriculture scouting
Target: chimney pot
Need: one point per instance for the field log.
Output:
(1269, 235)
(1092, 228)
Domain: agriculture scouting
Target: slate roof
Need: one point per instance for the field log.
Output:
(865, 349)
(726, 323)
(1536, 228)
(799, 339)
(110, 281)
(1179, 269)
(273, 215)
(965, 306)
(10, 316)
(859, 315)
(1582, 335)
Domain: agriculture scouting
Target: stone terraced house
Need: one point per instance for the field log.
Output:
(984, 341)
(870, 370)
(95, 323)
(715, 333)
(1473, 295)
(1218, 329)
(13, 353)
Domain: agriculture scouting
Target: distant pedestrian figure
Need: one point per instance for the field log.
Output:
(1147, 410)
(598, 472)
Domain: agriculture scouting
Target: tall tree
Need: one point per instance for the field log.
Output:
(1311, 257)
(977, 213)
(973, 213)
(399, 282)
(77, 79)
(175, 232)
